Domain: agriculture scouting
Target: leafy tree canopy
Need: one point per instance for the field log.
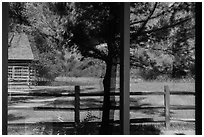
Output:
(158, 29)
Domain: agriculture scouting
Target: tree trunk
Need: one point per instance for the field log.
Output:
(109, 83)
(173, 71)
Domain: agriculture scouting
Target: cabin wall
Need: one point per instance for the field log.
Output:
(21, 73)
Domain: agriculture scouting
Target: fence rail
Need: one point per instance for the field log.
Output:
(167, 107)
(101, 94)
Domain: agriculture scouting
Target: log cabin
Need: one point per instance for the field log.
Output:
(22, 57)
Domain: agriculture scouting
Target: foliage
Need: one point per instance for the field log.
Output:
(87, 67)
(87, 128)
(162, 34)
(48, 24)
(166, 45)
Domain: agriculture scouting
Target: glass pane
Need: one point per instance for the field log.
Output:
(65, 68)
(162, 83)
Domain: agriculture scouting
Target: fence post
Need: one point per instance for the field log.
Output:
(167, 106)
(77, 106)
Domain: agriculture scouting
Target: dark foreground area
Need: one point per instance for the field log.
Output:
(91, 128)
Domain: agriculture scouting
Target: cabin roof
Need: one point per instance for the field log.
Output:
(20, 48)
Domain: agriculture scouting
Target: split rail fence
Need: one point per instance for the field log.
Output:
(167, 107)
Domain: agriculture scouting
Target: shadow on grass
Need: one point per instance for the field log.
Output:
(12, 117)
(87, 128)
(91, 103)
(97, 103)
(85, 89)
(14, 100)
(69, 83)
(144, 130)
(84, 103)
(137, 102)
(55, 91)
(26, 99)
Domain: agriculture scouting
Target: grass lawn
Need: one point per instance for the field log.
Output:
(93, 85)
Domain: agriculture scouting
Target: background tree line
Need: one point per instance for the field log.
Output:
(168, 52)
(42, 22)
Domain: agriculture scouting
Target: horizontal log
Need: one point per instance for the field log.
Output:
(99, 108)
(182, 120)
(139, 121)
(40, 108)
(92, 94)
(131, 108)
(81, 94)
(82, 108)
(40, 94)
(182, 93)
(147, 93)
(146, 107)
(19, 79)
(17, 83)
(181, 107)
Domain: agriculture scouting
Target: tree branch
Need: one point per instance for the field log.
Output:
(165, 27)
(97, 53)
(96, 56)
(153, 17)
(147, 19)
